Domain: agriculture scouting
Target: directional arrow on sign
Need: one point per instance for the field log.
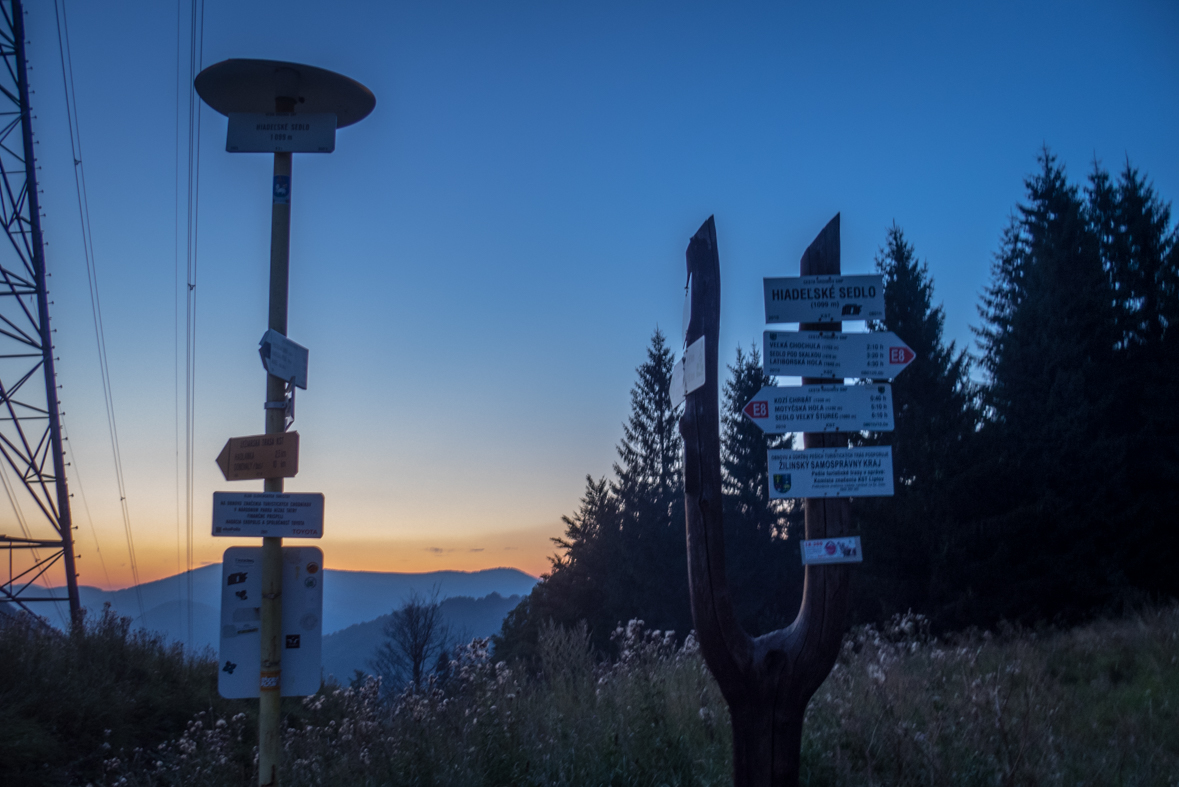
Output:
(260, 456)
(879, 355)
(822, 408)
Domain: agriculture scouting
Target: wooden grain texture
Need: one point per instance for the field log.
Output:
(767, 681)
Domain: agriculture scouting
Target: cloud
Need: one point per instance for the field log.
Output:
(438, 550)
(475, 549)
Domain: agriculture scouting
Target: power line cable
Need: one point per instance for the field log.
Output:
(67, 78)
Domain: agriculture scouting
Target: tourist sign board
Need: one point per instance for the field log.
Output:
(878, 355)
(273, 514)
(283, 358)
(832, 550)
(831, 472)
(240, 651)
(822, 408)
(274, 132)
(824, 298)
(260, 456)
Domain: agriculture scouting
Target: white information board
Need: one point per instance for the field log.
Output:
(822, 408)
(878, 355)
(688, 374)
(240, 651)
(280, 133)
(276, 514)
(832, 550)
(283, 358)
(824, 298)
(831, 472)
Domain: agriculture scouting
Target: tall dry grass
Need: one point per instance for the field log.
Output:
(1095, 705)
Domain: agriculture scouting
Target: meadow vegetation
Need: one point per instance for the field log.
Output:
(1094, 705)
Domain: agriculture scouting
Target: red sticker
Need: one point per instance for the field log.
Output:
(900, 355)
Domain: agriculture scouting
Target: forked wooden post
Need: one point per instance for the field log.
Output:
(767, 681)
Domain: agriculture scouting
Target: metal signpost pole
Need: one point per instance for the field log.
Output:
(260, 97)
(270, 697)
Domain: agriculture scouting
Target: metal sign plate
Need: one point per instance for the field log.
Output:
(832, 550)
(283, 358)
(276, 514)
(824, 298)
(260, 456)
(280, 133)
(688, 373)
(822, 408)
(831, 472)
(878, 355)
(240, 649)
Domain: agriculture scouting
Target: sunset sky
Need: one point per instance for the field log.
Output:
(479, 266)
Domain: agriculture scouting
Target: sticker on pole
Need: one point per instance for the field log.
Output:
(831, 472)
(280, 133)
(268, 514)
(822, 408)
(818, 551)
(878, 355)
(240, 652)
(824, 298)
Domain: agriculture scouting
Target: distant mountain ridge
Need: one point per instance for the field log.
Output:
(349, 597)
(350, 649)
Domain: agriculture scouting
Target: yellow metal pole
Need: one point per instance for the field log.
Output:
(270, 697)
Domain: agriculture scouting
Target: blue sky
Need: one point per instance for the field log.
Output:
(479, 266)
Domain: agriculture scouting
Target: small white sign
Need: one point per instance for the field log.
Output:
(283, 358)
(273, 514)
(832, 550)
(280, 133)
(831, 472)
(688, 373)
(240, 651)
(822, 408)
(824, 298)
(878, 355)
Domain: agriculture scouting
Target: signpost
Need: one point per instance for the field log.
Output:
(824, 298)
(240, 648)
(258, 88)
(822, 408)
(878, 355)
(273, 132)
(268, 514)
(831, 472)
(283, 358)
(260, 456)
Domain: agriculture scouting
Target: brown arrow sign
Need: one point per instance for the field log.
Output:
(260, 456)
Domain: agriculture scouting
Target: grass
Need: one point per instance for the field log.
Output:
(1095, 705)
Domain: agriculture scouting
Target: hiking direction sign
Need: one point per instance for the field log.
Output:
(822, 408)
(283, 358)
(824, 298)
(260, 456)
(831, 472)
(240, 651)
(268, 514)
(879, 355)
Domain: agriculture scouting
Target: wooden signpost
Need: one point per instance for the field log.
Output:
(767, 681)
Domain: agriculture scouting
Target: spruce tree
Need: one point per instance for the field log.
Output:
(908, 537)
(1138, 246)
(1053, 466)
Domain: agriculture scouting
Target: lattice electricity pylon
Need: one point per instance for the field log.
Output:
(30, 423)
